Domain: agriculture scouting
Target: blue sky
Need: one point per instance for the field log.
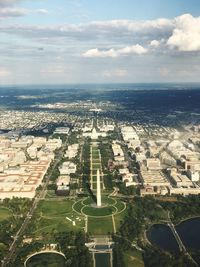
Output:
(82, 41)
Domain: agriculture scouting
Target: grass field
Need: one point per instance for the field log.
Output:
(118, 219)
(56, 215)
(133, 258)
(55, 207)
(93, 211)
(5, 213)
(100, 226)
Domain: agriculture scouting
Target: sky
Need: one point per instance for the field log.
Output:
(105, 41)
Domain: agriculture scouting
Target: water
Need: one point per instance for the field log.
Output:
(162, 236)
(102, 259)
(189, 232)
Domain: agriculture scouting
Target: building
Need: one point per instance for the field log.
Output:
(67, 168)
(72, 151)
(153, 164)
(94, 134)
(193, 175)
(128, 133)
(118, 152)
(22, 181)
(180, 180)
(154, 178)
(62, 130)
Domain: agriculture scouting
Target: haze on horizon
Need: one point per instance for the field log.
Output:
(86, 41)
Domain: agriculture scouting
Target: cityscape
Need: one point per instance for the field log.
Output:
(94, 183)
(99, 133)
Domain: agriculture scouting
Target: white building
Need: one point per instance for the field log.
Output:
(72, 151)
(118, 152)
(94, 134)
(67, 168)
(153, 164)
(193, 175)
(62, 130)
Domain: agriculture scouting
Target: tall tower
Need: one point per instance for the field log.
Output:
(98, 189)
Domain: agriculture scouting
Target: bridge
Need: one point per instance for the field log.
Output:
(182, 247)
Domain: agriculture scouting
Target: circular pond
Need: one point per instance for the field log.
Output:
(40, 259)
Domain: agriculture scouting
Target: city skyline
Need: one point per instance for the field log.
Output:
(46, 42)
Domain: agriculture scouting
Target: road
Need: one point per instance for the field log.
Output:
(20, 232)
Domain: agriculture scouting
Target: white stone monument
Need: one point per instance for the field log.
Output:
(98, 189)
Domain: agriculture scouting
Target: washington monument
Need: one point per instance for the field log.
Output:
(98, 189)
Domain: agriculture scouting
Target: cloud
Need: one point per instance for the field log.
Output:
(134, 49)
(4, 72)
(42, 11)
(115, 73)
(114, 30)
(155, 43)
(13, 12)
(54, 70)
(157, 36)
(186, 35)
(4, 3)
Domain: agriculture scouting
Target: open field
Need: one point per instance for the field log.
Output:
(133, 258)
(100, 220)
(56, 215)
(119, 218)
(100, 226)
(5, 214)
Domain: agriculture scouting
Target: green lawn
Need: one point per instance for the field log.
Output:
(5, 213)
(55, 207)
(133, 258)
(118, 219)
(96, 160)
(94, 186)
(96, 166)
(94, 178)
(93, 211)
(100, 226)
(78, 205)
(56, 215)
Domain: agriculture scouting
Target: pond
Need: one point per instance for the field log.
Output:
(102, 259)
(162, 236)
(189, 232)
(47, 260)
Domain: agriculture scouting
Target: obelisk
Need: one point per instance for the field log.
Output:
(98, 189)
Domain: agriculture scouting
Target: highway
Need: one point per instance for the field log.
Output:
(19, 235)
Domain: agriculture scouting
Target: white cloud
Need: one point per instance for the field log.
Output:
(4, 3)
(4, 72)
(114, 30)
(155, 43)
(42, 11)
(54, 70)
(186, 35)
(115, 73)
(13, 12)
(134, 49)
